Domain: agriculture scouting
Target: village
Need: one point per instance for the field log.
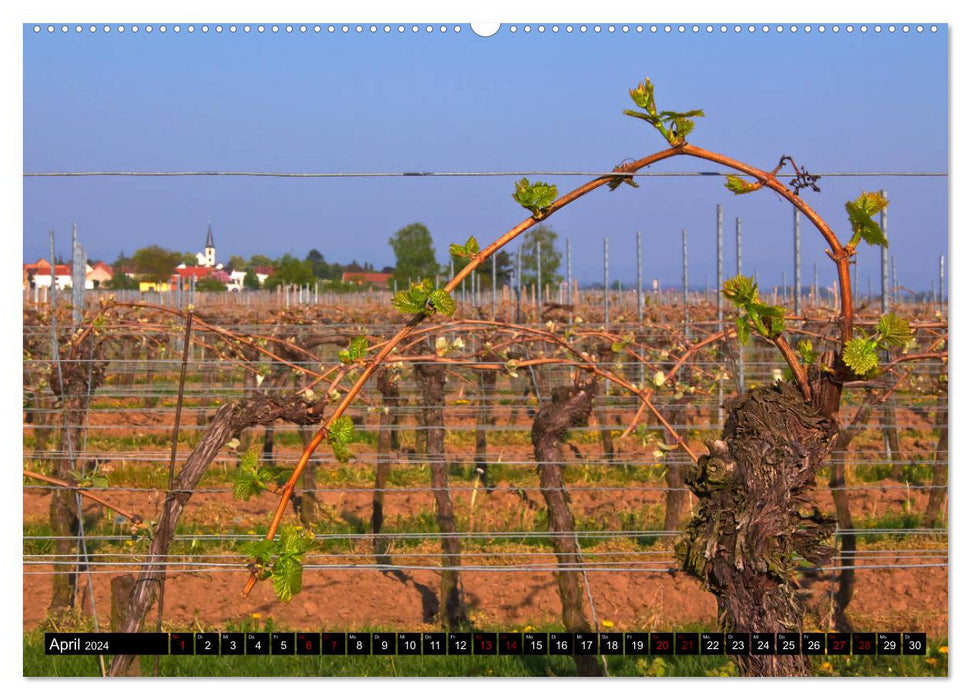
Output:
(234, 276)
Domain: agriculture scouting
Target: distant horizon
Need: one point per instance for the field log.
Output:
(447, 102)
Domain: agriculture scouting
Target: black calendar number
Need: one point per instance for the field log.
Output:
(915, 643)
(612, 643)
(180, 644)
(662, 643)
(787, 643)
(637, 643)
(434, 644)
(485, 643)
(333, 643)
(257, 644)
(738, 643)
(308, 643)
(888, 643)
(712, 644)
(686, 643)
(282, 643)
(813, 643)
(409, 644)
(584, 643)
(207, 643)
(382, 643)
(459, 643)
(838, 643)
(358, 644)
(763, 643)
(232, 644)
(536, 643)
(864, 644)
(561, 643)
(510, 643)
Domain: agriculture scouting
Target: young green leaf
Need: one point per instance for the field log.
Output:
(442, 302)
(619, 345)
(744, 332)
(341, 430)
(413, 300)
(295, 540)
(673, 126)
(355, 351)
(741, 290)
(860, 355)
(737, 185)
(682, 126)
(287, 577)
(860, 212)
(893, 331)
(535, 196)
(618, 181)
(246, 484)
(806, 352)
(341, 453)
(643, 96)
(769, 320)
(471, 247)
(260, 550)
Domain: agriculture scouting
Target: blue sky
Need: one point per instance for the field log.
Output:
(458, 102)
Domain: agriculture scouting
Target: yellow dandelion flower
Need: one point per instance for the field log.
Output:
(932, 661)
(826, 666)
(943, 650)
(607, 624)
(255, 616)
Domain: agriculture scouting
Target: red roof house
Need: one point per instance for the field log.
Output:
(378, 279)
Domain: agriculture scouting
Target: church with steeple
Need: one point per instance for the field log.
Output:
(207, 258)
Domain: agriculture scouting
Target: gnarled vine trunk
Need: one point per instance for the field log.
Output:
(431, 376)
(569, 406)
(386, 381)
(73, 382)
(229, 420)
(756, 514)
(935, 501)
(485, 417)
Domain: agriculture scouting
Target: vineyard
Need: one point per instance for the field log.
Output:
(432, 458)
(511, 467)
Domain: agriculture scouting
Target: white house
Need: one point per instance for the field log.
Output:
(40, 273)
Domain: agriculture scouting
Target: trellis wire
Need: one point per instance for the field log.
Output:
(495, 173)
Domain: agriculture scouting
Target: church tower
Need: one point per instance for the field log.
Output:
(208, 257)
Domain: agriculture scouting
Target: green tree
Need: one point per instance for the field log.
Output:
(155, 263)
(414, 254)
(550, 257)
(260, 261)
(208, 284)
(119, 280)
(289, 270)
(189, 258)
(321, 267)
(237, 262)
(251, 281)
(122, 261)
